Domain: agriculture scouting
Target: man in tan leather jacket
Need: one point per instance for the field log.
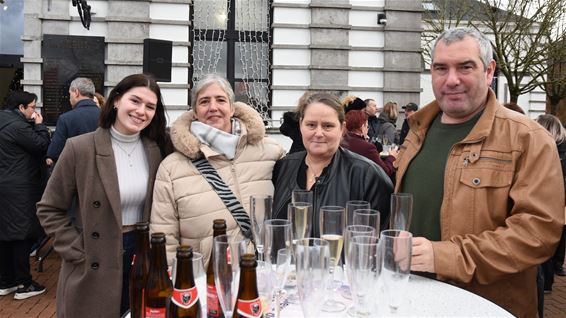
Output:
(487, 181)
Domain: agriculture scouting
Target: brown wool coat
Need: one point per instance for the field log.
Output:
(90, 281)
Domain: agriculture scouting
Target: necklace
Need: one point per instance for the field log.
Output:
(128, 153)
(314, 175)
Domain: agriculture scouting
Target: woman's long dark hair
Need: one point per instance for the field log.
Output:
(156, 128)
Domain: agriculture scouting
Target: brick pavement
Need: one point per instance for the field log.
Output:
(43, 306)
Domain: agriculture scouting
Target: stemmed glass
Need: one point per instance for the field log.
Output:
(278, 237)
(227, 251)
(401, 211)
(364, 262)
(313, 263)
(367, 217)
(352, 206)
(396, 249)
(265, 284)
(260, 210)
(331, 230)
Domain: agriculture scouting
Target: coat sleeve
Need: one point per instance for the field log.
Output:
(33, 138)
(164, 211)
(59, 138)
(53, 207)
(532, 228)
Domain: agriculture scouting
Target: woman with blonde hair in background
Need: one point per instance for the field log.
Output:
(387, 122)
(555, 264)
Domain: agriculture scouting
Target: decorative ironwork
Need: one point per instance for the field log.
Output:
(84, 12)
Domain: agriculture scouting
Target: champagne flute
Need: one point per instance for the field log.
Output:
(396, 249)
(331, 230)
(264, 284)
(227, 250)
(260, 210)
(364, 262)
(350, 232)
(278, 236)
(352, 206)
(369, 217)
(199, 274)
(401, 211)
(313, 263)
(300, 215)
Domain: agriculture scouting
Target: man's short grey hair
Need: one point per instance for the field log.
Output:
(84, 86)
(208, 80)
(458, 34)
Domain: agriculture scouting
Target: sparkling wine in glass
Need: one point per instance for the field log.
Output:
(332, 221)
(300, 215)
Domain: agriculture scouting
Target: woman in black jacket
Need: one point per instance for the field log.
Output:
(555, 263)
(23, 143)
(334, 175)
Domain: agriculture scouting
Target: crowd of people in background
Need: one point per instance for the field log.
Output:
(490, 211)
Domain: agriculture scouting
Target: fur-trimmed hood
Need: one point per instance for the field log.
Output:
(253, 130)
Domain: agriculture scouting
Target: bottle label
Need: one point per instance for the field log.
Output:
(185, 298)
(250, 308)
(154, 312)
(212, 302)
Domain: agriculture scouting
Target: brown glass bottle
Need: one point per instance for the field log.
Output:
(248, 302)
(158, 286)
(140, 270)
(214, 310)
(185, 298)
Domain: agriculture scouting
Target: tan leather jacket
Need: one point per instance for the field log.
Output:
(502, 212)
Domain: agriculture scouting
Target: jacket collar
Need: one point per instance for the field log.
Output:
(85, 102)
(253, 131)
(421, 120)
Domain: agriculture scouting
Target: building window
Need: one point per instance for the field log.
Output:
(232, 38)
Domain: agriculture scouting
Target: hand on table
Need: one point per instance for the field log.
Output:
(423, 255)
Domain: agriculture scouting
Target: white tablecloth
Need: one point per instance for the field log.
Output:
(424, 298)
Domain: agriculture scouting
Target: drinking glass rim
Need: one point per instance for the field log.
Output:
(395, 233)
(321, 242)
(401, 194)
(371, 228)
(360, 202)
(367, 211)
(357, 239)
(261, 196)
(277, 223)
(299, 204)
(332, 208)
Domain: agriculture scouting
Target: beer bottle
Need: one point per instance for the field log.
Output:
(140, 269)
(158, 287)
(248, 302)
(214, 310)
(185, 299)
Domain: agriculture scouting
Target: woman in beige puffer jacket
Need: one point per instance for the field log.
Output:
(184, 204)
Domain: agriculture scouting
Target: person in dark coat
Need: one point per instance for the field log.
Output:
(410, 109)
(81, 119)
(290, 128)
(355, 140)
(23, 142)
(555, 264)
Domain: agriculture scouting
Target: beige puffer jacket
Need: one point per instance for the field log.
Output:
(184, 204)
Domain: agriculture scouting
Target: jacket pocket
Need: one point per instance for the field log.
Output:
(486, 178)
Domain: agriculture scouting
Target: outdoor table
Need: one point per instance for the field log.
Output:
(424, 297)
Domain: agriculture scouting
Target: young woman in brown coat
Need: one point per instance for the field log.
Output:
(107, 177)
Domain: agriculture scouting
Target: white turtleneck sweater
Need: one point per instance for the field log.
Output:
(133, 173)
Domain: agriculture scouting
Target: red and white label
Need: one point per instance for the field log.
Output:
(212, 302)
(154, 312)
(185, 298)
(250, 308)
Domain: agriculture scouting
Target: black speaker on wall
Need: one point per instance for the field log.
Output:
(157, 59)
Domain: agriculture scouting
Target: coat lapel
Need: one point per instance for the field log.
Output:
(106, 165)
